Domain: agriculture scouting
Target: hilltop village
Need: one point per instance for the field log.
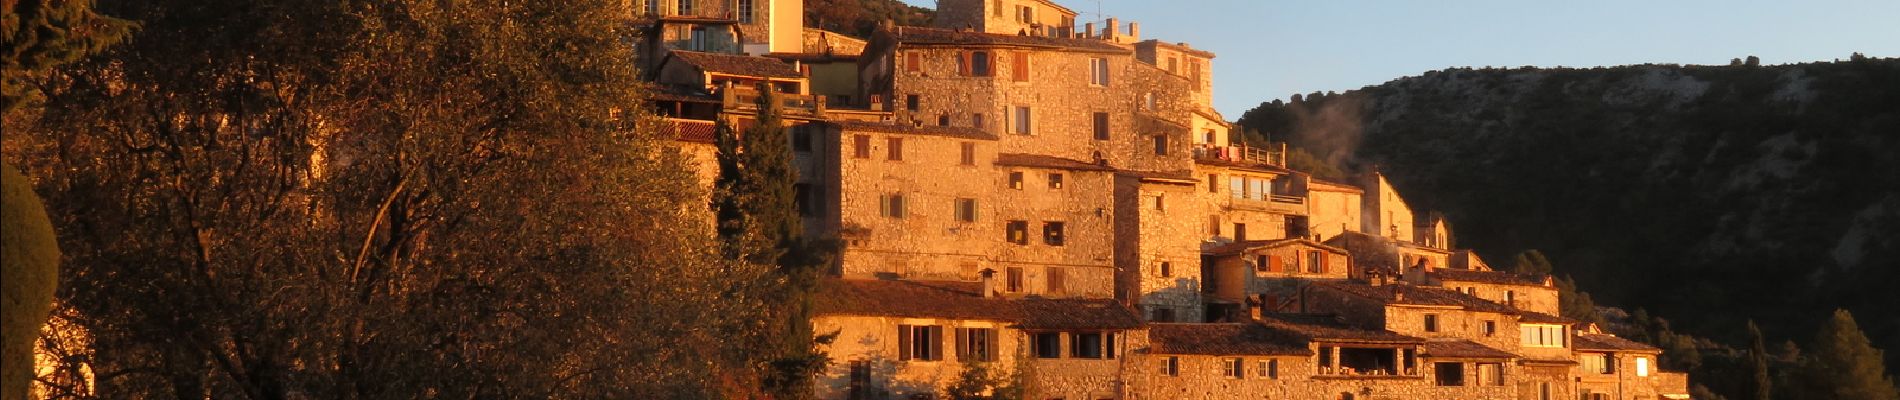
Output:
(1060, 204)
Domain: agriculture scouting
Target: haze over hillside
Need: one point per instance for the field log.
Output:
(1706, 194)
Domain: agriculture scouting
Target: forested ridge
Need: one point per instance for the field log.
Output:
(1706, 196)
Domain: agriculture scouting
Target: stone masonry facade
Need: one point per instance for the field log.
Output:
(1057, 204)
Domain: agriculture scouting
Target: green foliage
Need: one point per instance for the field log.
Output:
(758, 219)
(1844, 365)
(1300, 160)
(861, 17)
(1576, 304)
(981, 381)
(30, 274)
(1763, 388)
(1531, 262)
(42, 34)
(387, 199)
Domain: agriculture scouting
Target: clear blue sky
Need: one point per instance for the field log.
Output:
(1268, 49)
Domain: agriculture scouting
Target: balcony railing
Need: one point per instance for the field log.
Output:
(1275, 156)
(746, 98)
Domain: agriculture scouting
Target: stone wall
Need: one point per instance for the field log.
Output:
(1331, 210)
(1084, 205)
(1540, 299)
(928, 242)
(1152, 235)
(1262, 222)
(872, 343)
(1455, 324)
(1384, 212)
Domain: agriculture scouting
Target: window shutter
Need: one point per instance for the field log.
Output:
(1021, 66)
(903, 342)
(936, 343)
(1274, 264)
(989, 344)
(963, 63)
(962, 344)
(884, 205)
(1108, 345)
(1325, 263)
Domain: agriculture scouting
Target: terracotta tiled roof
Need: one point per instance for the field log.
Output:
(929, 36)
(1243, 165)
(930, 130)
(691, 130)
(1186, 177)
(1042, 161)
(1463, 349)
(1611, 343)
(1531, 317)
(1497, 277)
(1419, 295)
(962, 300)
(733, 64)
(1223, 339)
(1322, 184)
(1180, 47)
(1241, 246)
(1328, 328)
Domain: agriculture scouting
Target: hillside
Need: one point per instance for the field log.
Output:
(1705, 194)
(860, 17)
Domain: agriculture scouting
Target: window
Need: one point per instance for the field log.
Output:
(1537, 335)
(1013, 279)
(1313, 261)
(1052, 233)
(1170, 366)
(1048, 345)
(685, 7)
(1213, 183)
(1269, 369)
(894, 149)
(996, 7)
(1086, 345)
(1148, 101)
(1264, 263)
(1024, 14)
(912, 102)
(968, 156)
(1098, 71)
(1174, 65)
(893, 205)
(806, 198)
(913, 62)
(860, 380)
(1213, 225)
(1233, 367)
(1431, 322)
(1194, 74)
(1101, 126)
(1160, 202)
(1018, 232)
(1510, 297)
(1602, 364)
(1163, 314)
(943, 119)
(745, 11)
(1019, 66)
(966, 210)
(1642, 366)
(976, 344)
(1022, 121)
(1167, 269)
(976, 121)
(1161, 145)
(1490, 328)
(979, 64)
(1449, 373)
(1056, 278)
(919, 342)
(1490, 374)
(1209, 137)
(860, 146)
(1240, 232)
(1055, 181)
(801, 138)
(1016, 180)
(653, 7)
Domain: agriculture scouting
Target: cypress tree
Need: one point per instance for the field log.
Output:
(1758, 363)
(757, 212)
(1844, 365)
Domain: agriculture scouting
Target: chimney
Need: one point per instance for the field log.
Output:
(1398, 293)
(1088, 30)
(989, 282)
(1134, 31)
(1109, 32)
(1255, 307)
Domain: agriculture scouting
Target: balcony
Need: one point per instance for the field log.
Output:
(1280, 204)
(1242, 154)
(747, 98)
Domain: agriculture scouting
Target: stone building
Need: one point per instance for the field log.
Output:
(1059, 204)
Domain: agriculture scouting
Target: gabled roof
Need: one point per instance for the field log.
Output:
(1533, 317)
(1326, 185)
(739, 65)
(911, 35)
(1181, 47)
(1328, 328)
(1172, 178)
(911, 129)
(1223, 339)
(1050, 162)
(963, 301)
(1460, 348)
(1399, 294)
(1497, 277)
(1243, 246)
(1601, 342)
